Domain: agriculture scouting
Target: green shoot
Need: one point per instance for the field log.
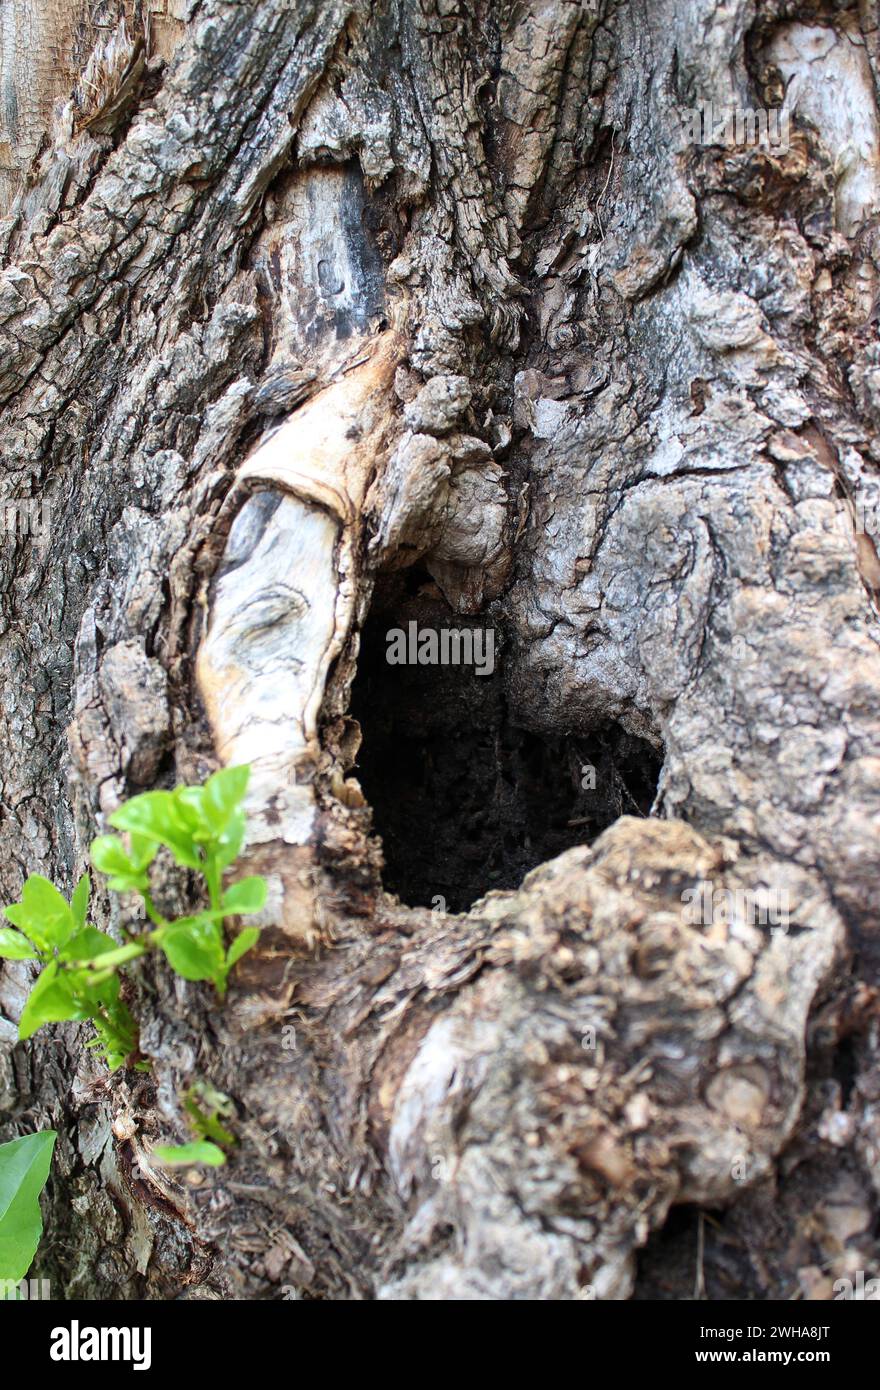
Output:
(203, 828)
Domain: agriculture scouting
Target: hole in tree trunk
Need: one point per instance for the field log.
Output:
(463, 798)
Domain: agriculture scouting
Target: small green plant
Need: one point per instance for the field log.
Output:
(24, 1168)
(203, 829)
(206, 1108)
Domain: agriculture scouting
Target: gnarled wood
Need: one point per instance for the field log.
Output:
(435, 305)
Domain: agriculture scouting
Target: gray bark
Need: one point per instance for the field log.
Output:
(306, 304)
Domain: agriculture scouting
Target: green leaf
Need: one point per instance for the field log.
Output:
(249, 895)
(141, 851)
(117, 1036)
(148, 815)
(87, 944)
(79, 903)
(193, 948)
(134, 884)
(206, 1124)
(242, 943)
(43, 914)
(190, 806)
(19, 917)
(45, 904)
(184, 1155)
(51, 1000)
(127, 870)
(230, 840)
(95, 985)
(24, 1168)
(109, 855)
(156, 816)
(224, 791)
(14, 946)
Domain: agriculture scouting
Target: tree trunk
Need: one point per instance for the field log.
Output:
(322, 320)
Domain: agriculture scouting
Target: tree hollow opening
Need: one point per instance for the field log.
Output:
(465, 799)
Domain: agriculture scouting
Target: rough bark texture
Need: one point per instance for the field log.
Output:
(430, 310)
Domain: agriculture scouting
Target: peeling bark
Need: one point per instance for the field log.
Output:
(448, 313)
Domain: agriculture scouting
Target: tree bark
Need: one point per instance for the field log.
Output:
(321, 319)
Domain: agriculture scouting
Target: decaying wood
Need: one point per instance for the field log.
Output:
(316, 297)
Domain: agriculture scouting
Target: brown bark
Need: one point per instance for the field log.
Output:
(316, 320)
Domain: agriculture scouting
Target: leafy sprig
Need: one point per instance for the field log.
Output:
(206, 1109)
(203, 828)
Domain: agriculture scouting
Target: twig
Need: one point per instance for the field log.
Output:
(605, 189)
